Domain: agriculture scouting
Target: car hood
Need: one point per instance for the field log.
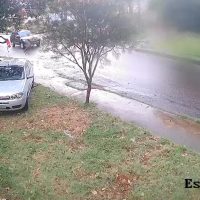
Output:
(31, 37)
(11, 87)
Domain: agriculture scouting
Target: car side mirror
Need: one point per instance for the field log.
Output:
(28, 77)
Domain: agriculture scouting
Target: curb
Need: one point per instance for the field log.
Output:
(162, 54)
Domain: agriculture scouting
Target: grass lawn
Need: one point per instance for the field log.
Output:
(184, 45)
(63, 150)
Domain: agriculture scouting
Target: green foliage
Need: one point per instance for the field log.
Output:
(179, 44)
(98, 23)
(9, 14)
(35, 8)
(182, 14)
(4, 14)
(5, 177)
(11, 11)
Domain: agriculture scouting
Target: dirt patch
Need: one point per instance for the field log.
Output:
(32, 137)
(3, 124)
(40, 157)
(57, 118)
(82, 175)
(37, 173)
(158, 151)
(69, 118)
(121, 188)
(4, 160)
(147, 139)
(174, 122)
(7, 194)
(60, 187)
(124, 182)
(76, 145)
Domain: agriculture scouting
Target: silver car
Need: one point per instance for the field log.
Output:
(25, 39)
(16, 82)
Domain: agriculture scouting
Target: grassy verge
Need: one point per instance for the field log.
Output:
(183, 45)
(62, 150)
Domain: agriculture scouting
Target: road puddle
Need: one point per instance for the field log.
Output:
(175, 122)
(159, 123)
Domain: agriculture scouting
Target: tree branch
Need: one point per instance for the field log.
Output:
(75, 59)
(62, 54)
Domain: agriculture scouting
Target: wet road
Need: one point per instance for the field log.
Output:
(163, 83)
(160, 82)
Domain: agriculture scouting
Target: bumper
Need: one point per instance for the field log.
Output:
(31, 43)
(12, 105)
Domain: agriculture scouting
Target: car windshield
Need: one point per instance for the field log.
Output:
(11, 73)
(24, 33)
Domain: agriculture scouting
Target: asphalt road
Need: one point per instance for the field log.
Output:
(167, 84)
(159, 82)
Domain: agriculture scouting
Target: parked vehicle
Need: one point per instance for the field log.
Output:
(16, 82)
(25, 39)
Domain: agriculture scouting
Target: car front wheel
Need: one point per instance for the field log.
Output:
(33, 83)
(38, 44)
(22, 45)
(25, 108)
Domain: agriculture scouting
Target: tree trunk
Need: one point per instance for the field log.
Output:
(88, 93)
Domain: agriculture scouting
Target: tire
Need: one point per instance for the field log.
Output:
(33, 84)
(13, 44)
(22, 45)
(38, 44)
(26, 107)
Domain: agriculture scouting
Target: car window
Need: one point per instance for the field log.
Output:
(24, 33)
(11, 73)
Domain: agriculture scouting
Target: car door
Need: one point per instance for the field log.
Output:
(31, 70)
(17, 38)
(29, 77)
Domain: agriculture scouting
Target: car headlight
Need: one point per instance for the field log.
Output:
(17, 96)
